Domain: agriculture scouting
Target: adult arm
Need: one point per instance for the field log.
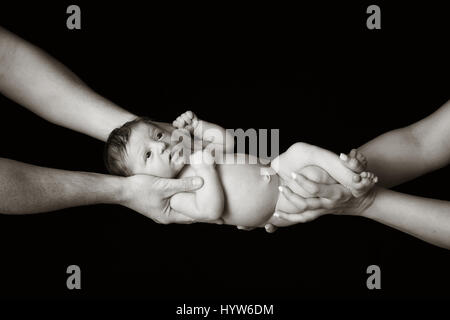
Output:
(26, 188)
(426, 219)
(32, 78)
(404, 154)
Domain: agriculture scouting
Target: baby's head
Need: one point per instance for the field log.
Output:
(142, 147)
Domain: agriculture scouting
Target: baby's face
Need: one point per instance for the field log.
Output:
(151, 151)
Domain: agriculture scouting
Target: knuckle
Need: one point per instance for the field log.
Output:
(313, 189)
(301, 205)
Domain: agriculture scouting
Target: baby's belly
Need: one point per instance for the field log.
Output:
(250, 195)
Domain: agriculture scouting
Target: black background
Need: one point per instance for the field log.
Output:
(315, 72)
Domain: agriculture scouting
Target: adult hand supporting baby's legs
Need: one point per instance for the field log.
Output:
(324, 197)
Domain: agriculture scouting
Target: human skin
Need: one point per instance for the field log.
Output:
(234, 191)
(44, 86)
(395, 157)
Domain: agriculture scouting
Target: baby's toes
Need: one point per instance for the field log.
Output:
(368, 179)
(361, 158)
(356, 178)
(355, 165)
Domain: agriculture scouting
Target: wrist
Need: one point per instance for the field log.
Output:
(119, 190)
(363, 204)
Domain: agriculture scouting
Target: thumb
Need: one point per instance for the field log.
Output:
(182, 185)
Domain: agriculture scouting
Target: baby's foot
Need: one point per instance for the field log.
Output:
(366, 181)
(363, 181)
(355, 161)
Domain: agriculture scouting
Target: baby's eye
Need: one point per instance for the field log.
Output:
(148, 154)
(159, 135)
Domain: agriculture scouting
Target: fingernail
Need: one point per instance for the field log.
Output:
(375, 179)
(276, 215)
(293, 175)
(343, 157)
(280, 188)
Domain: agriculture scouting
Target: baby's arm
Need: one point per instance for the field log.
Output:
(207, 203)
(209, 133)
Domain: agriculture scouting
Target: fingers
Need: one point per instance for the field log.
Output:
(298, 218)
(218, 221)
(305, 204)
(185, 119)
(328, 191)
(177, 123)
(245, 228)
(172, 186)
(298, 201)
(177, 217)
(270, 228)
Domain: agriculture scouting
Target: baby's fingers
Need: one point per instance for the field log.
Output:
(187, 117)
(176, 124)
(179, 123)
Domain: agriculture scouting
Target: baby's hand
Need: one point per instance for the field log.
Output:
(187, 120)
(202, 158)
(363, 181)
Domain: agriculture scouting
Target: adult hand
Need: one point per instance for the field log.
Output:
(322, 197)
(150, 196)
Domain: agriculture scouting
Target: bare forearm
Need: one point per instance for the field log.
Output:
(395, 157)
(38, 82)
(26, 188)
(426, 219)
(404, 154)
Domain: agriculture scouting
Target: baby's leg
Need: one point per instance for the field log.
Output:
(300, 155)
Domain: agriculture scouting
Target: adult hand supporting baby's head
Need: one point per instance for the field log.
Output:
(150, 196)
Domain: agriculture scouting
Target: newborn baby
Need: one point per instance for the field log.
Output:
(242, 193)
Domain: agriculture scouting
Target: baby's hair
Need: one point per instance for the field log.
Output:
(116, 147)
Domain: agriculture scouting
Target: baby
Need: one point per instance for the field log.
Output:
(242, 194)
